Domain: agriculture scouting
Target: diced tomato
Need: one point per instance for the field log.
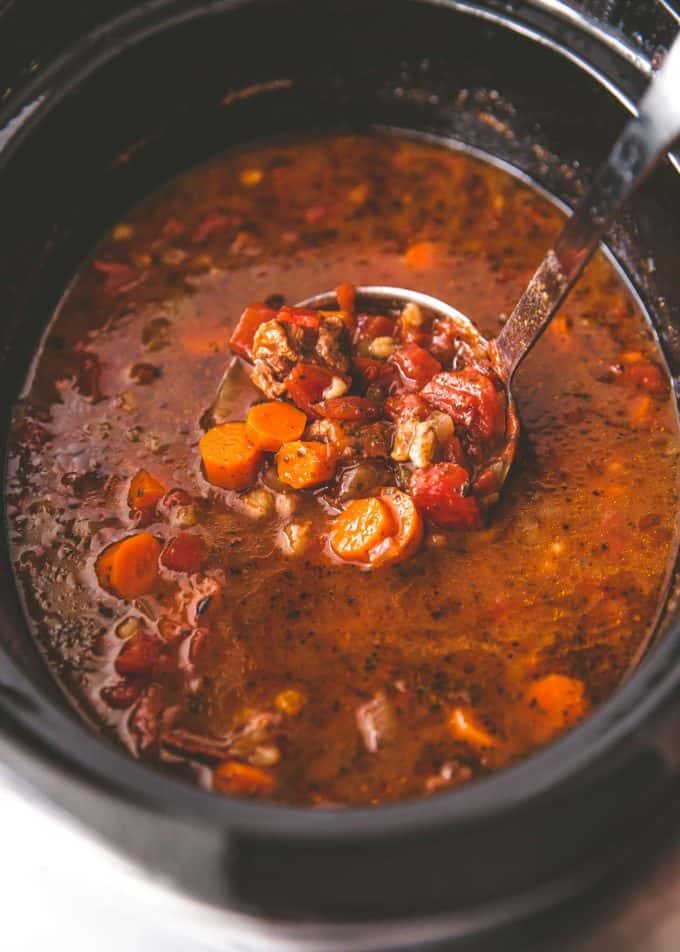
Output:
(350, 408)
(404, 406)
(647, 376)
(437, 492)
(346, 294)
(302, 316)
(306, 384)
(370, 326)
(375, 371)
(138, 655)
(416, 365)
(470, 398)
(183, 553)
(123, 693)
(241, 341)
(453, 452)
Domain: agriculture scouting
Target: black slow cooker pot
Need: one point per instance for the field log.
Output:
(100, 103)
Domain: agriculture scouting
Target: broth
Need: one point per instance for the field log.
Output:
(340, 686)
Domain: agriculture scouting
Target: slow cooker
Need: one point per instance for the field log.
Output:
(100, 103)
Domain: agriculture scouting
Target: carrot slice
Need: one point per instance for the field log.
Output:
(145, 491)
(424, 255)
(129, 568)
(465, 726)
(555, 703)
(346, 294)
(409, 535)
(242, 780)
(361, 527)
(303, 464)
(230, 458)
(272, 424)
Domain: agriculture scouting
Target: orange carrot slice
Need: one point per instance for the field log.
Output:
(242, 780)
(145, 491)
(346, 294)
(129, 568)
(304, 464)
(230, 458)
(272, 424)
(361, 527)
(555, 703)
(409, 534)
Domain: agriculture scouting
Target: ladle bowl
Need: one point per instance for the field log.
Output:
(490, 478)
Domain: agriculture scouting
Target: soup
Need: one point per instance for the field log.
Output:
(209, 612)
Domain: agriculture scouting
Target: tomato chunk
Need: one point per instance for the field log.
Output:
(302, 316)
(470, 398)
(306, 384)
(183, 553)
(138, 655)
(350, 408)
(370, 326)
(375, 371)
(404, 406)
(123, 693)
(416, 365)
(241, 341)
(437, 491)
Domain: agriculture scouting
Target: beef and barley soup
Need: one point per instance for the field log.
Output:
(296, 580)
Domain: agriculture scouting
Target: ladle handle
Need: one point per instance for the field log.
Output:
(643, 141)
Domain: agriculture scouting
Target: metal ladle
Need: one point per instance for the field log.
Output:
(644, 140)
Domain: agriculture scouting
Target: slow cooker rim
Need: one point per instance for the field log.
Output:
(69, 744)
